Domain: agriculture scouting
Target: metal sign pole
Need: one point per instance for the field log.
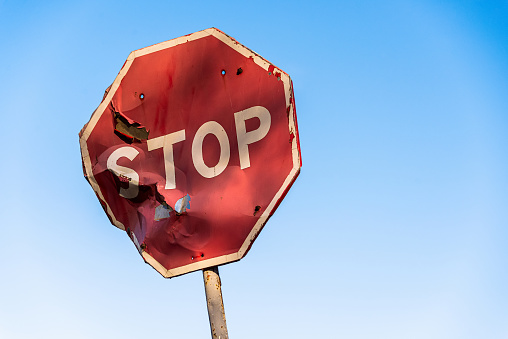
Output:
(214, 303)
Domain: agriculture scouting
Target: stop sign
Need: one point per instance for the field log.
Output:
(192, 149)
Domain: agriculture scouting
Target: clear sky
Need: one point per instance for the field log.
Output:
(396, 228)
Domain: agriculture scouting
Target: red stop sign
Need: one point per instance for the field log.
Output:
(192, 149)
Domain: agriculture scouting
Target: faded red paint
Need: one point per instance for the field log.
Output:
(183, 89)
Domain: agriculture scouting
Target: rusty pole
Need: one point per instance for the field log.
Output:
(214, 303)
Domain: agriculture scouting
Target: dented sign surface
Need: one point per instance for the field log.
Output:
(192, 149)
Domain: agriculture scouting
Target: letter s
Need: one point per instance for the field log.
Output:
(129, 153)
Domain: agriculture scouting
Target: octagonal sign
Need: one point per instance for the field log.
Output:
(192, 149)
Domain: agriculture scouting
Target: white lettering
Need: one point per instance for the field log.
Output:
(245, 138)
(166, 142)
(125, 172)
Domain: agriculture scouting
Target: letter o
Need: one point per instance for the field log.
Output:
(210, 127)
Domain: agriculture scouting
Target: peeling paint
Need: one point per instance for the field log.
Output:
(162, 212)
(128, 128)
(183, 204)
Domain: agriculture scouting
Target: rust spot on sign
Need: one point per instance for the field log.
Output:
(123, 178)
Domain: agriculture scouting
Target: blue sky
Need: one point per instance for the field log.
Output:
(396, 228)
